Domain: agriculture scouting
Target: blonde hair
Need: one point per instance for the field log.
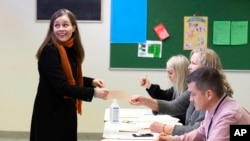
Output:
(179, 63)
(209, 58)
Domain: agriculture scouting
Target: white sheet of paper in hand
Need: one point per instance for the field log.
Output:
(119, 95)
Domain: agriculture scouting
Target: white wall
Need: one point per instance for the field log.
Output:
(20, 37)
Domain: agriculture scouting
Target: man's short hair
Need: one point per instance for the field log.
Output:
(207, 78)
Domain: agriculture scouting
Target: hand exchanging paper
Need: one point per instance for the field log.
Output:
(138, 100)
(101, 93)
(98, 83)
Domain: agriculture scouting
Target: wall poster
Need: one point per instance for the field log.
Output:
(195, 32)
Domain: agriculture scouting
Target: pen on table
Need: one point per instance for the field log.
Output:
(127, 121)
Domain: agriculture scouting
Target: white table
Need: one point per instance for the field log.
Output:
(132, 121)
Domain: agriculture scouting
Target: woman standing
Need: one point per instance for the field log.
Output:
(62, 86)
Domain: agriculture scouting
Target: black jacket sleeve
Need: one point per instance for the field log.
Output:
(52, 77)
(156, 92)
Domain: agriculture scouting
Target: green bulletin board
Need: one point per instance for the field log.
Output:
(171, 13)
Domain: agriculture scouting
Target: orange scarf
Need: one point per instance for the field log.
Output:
(68, 72)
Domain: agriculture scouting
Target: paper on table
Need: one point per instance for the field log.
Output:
(159, 118)
(118, 94)
(127, 127)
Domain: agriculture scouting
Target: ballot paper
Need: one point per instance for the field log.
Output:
(160, 118)
(131, 125)
(128, 127)
(119, 95)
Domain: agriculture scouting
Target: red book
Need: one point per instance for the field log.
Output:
(161, 31)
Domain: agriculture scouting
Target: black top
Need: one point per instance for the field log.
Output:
(54, 116)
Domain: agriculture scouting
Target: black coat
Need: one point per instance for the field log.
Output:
(54, 117)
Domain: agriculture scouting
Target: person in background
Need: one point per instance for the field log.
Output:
(177, 71)
(199, 57)
(207, 93)
(62, 87)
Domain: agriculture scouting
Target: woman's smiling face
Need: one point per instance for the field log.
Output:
(63, 29)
